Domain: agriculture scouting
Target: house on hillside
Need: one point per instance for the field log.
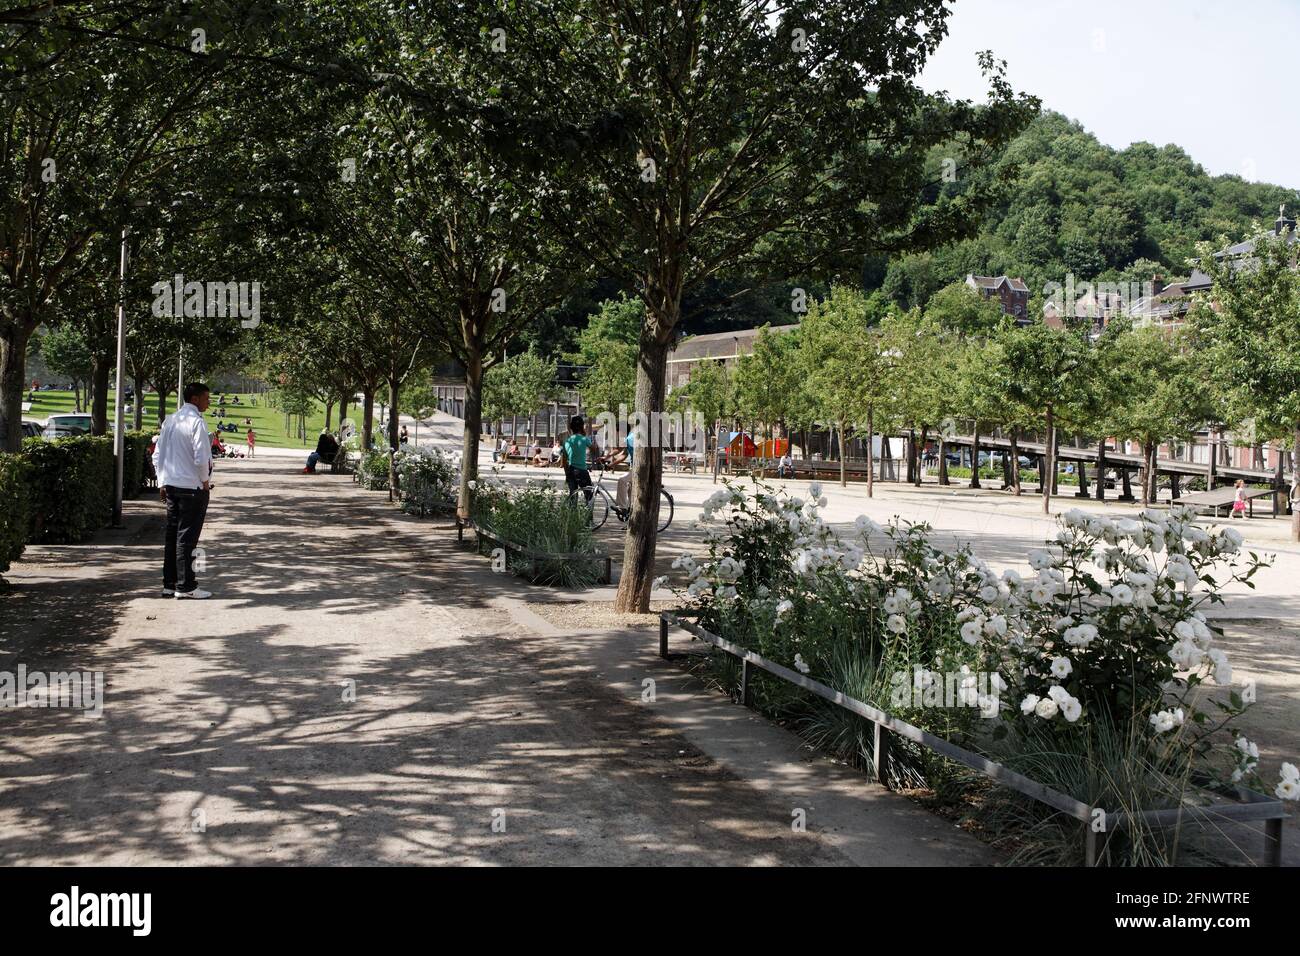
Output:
(721, 348)
(1240, 254)
(1013, 294)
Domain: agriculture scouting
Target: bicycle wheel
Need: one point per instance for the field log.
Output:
(596, 507)
(665, 510)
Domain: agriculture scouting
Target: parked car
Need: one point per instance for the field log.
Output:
(51, 432)
(31, 429)
(73, 423)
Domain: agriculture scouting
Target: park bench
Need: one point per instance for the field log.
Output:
(1223, 498)
(685, 461)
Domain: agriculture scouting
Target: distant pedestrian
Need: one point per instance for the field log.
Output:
(182, 460)
(252, 442)
(404, 438)
(1239, 500)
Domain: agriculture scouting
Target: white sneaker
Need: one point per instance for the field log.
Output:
(168, 592)
(197, 594)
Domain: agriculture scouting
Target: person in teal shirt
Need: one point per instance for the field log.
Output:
(573, 454)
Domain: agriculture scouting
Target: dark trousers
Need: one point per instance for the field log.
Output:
(577, 478)
(186, 509)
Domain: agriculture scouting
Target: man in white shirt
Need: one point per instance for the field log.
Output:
(182, 459)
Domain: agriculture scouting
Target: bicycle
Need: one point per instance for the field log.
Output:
(599, 503)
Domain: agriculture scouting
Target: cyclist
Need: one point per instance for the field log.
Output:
(623, 488)
(573, 455)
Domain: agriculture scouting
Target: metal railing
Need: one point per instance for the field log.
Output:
(1249, 805)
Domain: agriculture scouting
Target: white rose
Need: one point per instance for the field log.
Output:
(1061, 667)
(1046, 708)
(1029, 704)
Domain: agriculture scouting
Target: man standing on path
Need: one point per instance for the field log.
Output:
(182, 460)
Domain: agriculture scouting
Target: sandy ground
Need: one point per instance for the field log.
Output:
(362, 690)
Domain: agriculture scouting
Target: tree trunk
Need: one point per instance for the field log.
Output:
(1049, 462)
(13, 368)
(920, 453)
(329, 411)
(871, 451)
(139, 403)
(1101, 468)
(1295, 487)
(99, 368)
(76, 394)
(647, 472)
(844, 478)
(473, 426)
(368, 417)
(394, 385)
(343, 409)
(975, 458)
(1214, 459)
(1015, 460)
(911, 456)
(943, 461)
(163, 394)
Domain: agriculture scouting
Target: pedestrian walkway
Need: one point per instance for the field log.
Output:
(362, 690)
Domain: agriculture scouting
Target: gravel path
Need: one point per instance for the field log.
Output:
(226, 736)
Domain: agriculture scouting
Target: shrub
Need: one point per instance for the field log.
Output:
(71, 487)
(136, 445)
(428, 479)
(372, 470)
(543, 520)
(1101, 651)
(15, 509)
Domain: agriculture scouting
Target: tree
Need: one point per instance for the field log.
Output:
(767, 379)
(64, 351)
(1252, 329)
(1039, 363)
(1158, 392)
(695, 142)
(842, 358)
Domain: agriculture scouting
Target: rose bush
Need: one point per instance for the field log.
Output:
(1108, 630)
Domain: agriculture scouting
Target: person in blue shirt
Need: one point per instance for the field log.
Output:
(623, 488)
(573, 455)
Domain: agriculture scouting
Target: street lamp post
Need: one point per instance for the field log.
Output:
(119, 424)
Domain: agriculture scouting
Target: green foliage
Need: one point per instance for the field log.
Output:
(842, 356)
(71, 483)
(616, 322)
(520, 385)
(15, 509)
(372, 470)
(545, 521)
(611, 380)
(428, 480)
(768, 381)
(1252, 333)
(1073, 204)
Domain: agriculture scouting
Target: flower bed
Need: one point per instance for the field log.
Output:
(428, 480)
(1098, 676)
(543, 534)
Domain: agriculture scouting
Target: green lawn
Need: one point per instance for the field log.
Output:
(267, 422)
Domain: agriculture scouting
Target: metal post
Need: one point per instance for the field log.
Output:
(663, 638)
(880, 754)
(1273, 842)
(119, 423)
(744, 681)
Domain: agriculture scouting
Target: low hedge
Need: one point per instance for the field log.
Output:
(137, 445)
(15, 509)
(70, 481)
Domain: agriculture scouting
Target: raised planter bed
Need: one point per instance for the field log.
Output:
(1237, 804)
(601, 558)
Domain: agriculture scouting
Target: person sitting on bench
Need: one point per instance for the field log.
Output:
(326, 448)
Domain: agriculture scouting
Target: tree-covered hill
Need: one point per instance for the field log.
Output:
(1079, 206)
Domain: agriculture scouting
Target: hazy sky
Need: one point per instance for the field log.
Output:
(1217, 77)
